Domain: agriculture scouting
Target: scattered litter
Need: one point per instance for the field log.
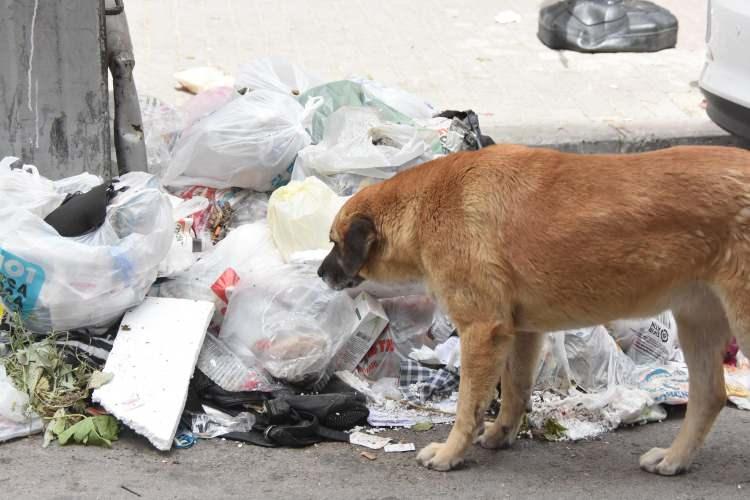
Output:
(196, 80)
(368, 440)
(152, 363)
(214, 423)
(507, 17)
(585, 416)
(368, 455)
(399, 447)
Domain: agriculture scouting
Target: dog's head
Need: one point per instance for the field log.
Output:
(354, 237)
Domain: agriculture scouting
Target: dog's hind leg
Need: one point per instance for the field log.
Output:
(516, 380)
(484, 346)
(704, 333)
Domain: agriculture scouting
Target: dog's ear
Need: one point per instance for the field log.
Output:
(358, 243)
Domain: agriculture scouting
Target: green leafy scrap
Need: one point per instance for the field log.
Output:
(58, 390)
(422, 426)
(100, 430)
(552, 430)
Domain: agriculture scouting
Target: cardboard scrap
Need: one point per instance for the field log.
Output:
(152, 361)
(371, 320)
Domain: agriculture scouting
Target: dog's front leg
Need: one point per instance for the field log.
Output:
(483, 347)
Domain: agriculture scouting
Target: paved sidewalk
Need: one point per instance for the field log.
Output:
(455, 55)
(604, 469)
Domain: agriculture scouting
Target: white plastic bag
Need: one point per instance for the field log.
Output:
(66, 283)
(250, 142)
(246, 249)
(22, 187)
(347, 147)
(647, 340)
(277, 74)
(290, 321)
(300, 215)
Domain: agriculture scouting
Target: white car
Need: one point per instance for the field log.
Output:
(726, 76)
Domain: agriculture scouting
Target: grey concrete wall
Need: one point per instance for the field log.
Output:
(53, 86)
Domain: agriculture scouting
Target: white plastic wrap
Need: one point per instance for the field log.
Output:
(250, 142)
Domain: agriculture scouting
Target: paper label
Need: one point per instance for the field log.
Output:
(20, 283)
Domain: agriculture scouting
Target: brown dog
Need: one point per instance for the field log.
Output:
(516, 241)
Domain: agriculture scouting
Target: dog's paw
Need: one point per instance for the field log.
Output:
(658, 461)
(435, 456)
(499, 441)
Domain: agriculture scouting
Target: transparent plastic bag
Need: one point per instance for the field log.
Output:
(344, 93)
(59, 283)
(347, 147)
(288, 320)
(277, 74)
(162, 125)
(245, 249)
(396, 98)
(250, 142)
(587, 357)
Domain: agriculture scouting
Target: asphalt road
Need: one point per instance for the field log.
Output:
(602, 469)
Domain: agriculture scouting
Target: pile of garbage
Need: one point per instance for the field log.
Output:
(184, 303)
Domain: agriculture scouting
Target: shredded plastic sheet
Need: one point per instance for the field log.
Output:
(585, 416)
